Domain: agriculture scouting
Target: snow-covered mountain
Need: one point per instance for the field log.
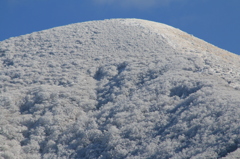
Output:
(121, 88)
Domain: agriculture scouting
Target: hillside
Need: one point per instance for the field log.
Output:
(120, 88)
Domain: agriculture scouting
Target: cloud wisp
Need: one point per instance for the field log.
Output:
(136, 3)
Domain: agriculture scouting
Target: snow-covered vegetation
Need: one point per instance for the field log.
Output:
(121, 88)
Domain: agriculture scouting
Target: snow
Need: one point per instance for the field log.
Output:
(119, 88)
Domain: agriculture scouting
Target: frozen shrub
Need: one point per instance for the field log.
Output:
(122, 88)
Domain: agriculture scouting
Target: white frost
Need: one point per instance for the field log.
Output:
(121, 88)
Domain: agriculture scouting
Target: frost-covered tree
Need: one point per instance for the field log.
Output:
(121, 88)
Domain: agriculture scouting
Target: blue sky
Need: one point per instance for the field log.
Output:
(215, 21)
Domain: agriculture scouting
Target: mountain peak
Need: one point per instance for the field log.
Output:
(119, 88)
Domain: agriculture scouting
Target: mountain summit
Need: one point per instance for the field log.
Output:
(120, 88)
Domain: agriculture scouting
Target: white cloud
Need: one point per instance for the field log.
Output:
(137, 3)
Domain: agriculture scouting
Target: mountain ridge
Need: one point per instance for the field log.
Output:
(120, 88)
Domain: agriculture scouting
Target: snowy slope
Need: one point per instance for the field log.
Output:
(121, 88)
